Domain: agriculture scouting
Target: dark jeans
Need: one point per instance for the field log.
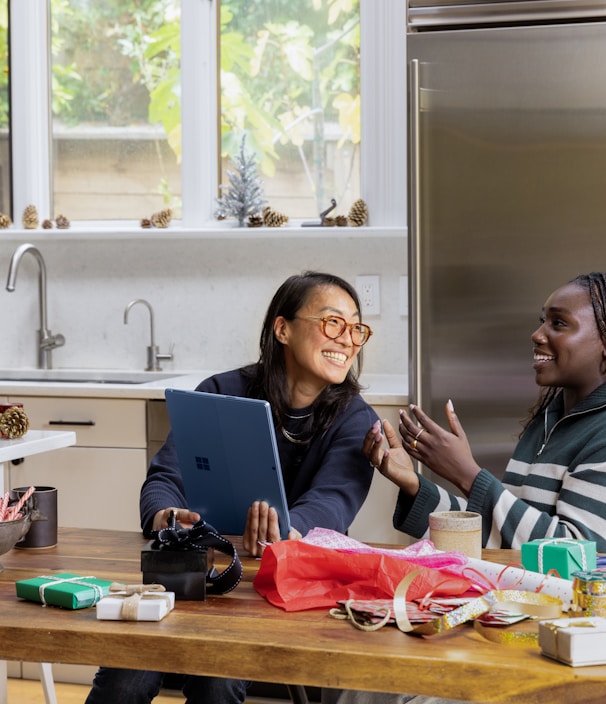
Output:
(118, 686)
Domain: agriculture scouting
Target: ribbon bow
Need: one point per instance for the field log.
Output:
(569, 541)
(201, 537)
(132, 595)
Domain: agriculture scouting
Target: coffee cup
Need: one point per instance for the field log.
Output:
(459, 531)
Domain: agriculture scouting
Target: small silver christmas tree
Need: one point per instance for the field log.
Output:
(243, 196)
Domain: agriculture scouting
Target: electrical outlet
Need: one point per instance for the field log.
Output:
(368, 288)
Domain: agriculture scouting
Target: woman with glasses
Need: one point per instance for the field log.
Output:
(308, 369)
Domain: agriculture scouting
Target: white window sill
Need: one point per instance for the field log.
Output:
(121, 230)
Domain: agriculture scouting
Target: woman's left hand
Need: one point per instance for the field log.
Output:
(447, 453)
(262, 527)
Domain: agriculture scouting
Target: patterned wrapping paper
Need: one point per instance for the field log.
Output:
(491, 575)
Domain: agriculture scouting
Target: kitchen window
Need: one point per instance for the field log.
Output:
(149, 100)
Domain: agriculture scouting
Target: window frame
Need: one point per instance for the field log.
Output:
(383, 120)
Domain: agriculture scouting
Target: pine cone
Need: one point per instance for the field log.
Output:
(62, 222)
(255, 220)
(30, 218)
(162, 218)
(5, 221)
(328, 222)
(47, 224)
(341, 221)
(358, 214)
(14, 423)
(146, 223)
(272, 218)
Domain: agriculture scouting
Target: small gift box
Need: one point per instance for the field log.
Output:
(135, 602)
(71, 591)
(564, 555)
(182, 572)
(182, 560)
(574, 641)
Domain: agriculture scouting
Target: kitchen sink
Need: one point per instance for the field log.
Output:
(83, 376)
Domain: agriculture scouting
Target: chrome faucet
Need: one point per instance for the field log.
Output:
(46, 341)
(153, 353)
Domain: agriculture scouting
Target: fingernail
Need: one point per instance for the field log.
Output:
(412, 406)
(450, 406)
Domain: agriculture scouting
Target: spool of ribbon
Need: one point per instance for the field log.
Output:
(589, 592)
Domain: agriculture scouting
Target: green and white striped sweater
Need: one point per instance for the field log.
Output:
(554, 485)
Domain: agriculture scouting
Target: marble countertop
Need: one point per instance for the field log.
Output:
(379, 389)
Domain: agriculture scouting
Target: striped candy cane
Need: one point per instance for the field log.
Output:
(14, 510)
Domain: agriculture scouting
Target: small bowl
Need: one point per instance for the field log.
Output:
(11, 532)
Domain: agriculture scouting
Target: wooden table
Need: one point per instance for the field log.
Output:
(240, 635)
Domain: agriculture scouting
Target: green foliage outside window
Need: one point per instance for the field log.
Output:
(288, 70)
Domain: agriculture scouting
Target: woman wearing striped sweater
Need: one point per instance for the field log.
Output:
(555, 483)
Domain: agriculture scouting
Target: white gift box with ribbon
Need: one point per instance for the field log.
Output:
(574, 641)
(135, 602)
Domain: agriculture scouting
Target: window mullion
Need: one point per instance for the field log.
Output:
(30, 106)
(383, 112)
(199, 109)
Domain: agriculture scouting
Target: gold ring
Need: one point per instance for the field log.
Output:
(413, 444)
(418, 435)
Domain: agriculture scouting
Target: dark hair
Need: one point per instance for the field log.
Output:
(595, 284)
(268, 376)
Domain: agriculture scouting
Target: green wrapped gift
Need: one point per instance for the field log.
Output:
(564, 555)
(71, 591)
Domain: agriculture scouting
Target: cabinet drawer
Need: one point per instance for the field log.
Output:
(97, 422)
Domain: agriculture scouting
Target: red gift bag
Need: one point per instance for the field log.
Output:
(296, 576)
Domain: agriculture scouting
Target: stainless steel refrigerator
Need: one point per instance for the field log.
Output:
(507, 158)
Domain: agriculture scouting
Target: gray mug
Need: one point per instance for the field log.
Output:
(43, 529)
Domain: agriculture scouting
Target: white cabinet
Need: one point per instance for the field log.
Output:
(99, 479)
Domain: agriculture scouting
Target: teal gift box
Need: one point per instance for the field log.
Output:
(71, 591)
(564, 555)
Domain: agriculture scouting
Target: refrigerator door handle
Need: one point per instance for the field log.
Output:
(414, 258)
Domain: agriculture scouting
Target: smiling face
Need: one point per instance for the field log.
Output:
(313, 361)
(568, 350)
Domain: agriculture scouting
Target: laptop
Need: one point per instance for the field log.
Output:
(228, 456)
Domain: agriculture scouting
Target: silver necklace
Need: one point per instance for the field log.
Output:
(307, 415)
(291, 438)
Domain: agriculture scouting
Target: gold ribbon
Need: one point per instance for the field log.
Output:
(520, 602)
(132, 595)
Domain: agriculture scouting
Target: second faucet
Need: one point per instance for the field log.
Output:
(154, 356)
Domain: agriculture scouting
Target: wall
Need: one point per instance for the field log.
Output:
(209, 295)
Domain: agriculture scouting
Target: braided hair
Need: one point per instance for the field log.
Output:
(595, 284)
